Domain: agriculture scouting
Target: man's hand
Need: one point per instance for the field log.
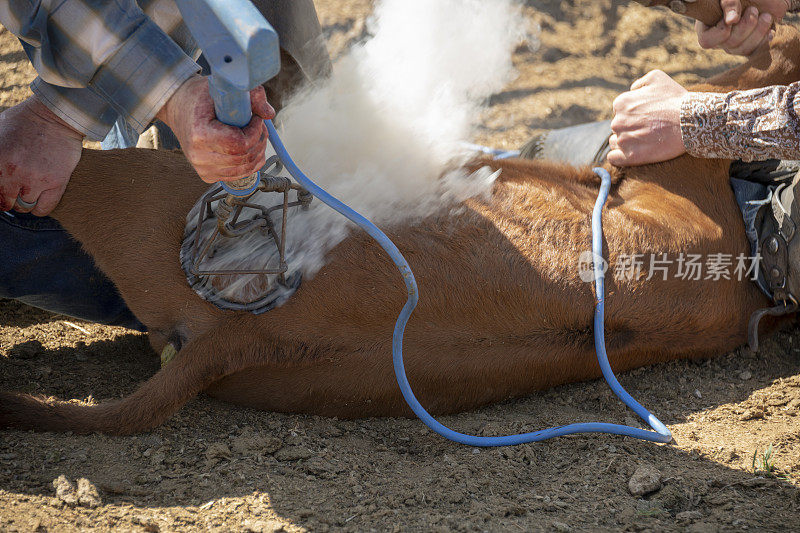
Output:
(647, 122)
(742, 33)
(38, 152)
(217, 151)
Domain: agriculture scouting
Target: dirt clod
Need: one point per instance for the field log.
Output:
(293, 453)
(65, 490)
(217, 452)
(84, 495)
(754, 413)
(26, 350)
(645, 480)
(87, 494)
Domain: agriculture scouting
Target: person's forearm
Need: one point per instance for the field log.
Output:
(748, 125)
(88, 53)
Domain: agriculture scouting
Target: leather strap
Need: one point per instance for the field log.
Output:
(777, 231)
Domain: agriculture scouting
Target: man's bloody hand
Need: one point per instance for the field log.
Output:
(217, 151)
(38, 152)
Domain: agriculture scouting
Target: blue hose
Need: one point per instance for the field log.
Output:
(494, 152)
(660, 433)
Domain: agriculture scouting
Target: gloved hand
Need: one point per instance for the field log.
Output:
(217, 151)
(647, 122)
(38, 152)
(742, 33)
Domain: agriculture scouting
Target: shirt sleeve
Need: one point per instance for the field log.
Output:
(794, 6)
(128, 64)
(83, 109)
(749, 125)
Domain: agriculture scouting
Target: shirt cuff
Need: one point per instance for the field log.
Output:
(143, 74)
(82, 109)
(703, 117)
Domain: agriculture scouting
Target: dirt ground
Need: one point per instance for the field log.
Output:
(214, 467)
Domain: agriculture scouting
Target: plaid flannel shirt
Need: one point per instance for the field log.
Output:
(100, 60)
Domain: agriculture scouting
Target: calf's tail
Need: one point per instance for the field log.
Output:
(193, 369)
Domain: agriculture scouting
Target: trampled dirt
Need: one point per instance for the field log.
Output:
(216, 467)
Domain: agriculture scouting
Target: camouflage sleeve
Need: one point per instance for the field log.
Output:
(750, 125)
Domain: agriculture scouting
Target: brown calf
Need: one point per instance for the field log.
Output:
(507, 316)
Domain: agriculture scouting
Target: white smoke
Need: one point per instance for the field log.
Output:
(386, 125)
(382, 133)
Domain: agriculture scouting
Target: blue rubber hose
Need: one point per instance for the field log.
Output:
(660, 432)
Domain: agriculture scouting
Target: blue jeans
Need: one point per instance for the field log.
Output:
(43, 266)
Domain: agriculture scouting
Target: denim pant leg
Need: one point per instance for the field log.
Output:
(44, 267)
(121, 135)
